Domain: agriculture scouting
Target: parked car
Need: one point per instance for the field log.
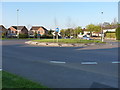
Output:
(86, 38)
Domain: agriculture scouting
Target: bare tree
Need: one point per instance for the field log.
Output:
(71, 25)
(56, 25)
(68, 24)
(29, 26)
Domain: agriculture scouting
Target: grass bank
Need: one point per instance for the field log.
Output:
(17, 38)
(0, 80)
(13, 81)
(68, 41)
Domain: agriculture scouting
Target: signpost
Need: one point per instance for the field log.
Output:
(38, 36)
(57, 31)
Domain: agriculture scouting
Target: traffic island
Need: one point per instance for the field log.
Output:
(58, 44)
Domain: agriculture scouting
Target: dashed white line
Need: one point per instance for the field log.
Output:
(116, 62)
(89, 63)
(85, 63)
(57, 62)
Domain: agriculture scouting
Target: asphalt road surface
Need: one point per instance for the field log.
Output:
(62, 67)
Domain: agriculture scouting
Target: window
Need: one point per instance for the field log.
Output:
(12, 31)
(15, 32)
(38, 32)
(41, 31)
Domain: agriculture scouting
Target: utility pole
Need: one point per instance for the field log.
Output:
(17, 22)
(102, 33)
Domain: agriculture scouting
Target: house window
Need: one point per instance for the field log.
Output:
(38, 32)
(12, 31)
(15, 32)
(41, 31)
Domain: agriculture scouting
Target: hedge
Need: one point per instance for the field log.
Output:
(110, 35)
(23, 35)
(118, 33)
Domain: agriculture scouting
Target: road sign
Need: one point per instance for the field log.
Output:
(53, 33)
(57, 29)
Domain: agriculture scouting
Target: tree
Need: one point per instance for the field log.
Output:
(118, 32)
(35, 35)
(97, 28)
(68, 32)
(91, 28)
(50, 32)
(62, 32)
(78, 30)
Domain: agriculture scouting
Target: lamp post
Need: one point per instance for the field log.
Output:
(17, 22)
(102, 33)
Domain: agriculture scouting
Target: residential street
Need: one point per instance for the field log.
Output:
(62, 67)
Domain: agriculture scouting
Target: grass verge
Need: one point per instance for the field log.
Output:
(16, 38)
(0, 80)
(13, 81)
(68, 41)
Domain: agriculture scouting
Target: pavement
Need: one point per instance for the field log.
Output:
(63, 67)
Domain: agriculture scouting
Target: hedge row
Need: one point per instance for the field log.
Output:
(118, 33)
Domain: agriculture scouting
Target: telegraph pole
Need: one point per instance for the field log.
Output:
(17, 22)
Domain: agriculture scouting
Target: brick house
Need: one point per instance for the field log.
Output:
(39, 30)
(16, 30)
(3, 31)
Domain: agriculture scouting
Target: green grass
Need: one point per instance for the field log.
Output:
(16, 38)
(0, 80)
(13, 81)
(68, 41)
(118, 40)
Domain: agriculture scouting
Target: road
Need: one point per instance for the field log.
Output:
(62, 67)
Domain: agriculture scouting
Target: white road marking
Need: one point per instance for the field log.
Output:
(89, 63)
(116, 62)
(57, 62)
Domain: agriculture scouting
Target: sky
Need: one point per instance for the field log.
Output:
(58, 14)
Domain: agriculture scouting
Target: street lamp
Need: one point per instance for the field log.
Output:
(17, 22)
(102, 33)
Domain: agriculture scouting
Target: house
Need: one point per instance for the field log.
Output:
(110, 34)
(85, 31)
(109, 30)
(39, 30)
(16, 30)
(97, 34)
(3, 31)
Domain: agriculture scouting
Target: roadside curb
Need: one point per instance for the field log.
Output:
(58, 44)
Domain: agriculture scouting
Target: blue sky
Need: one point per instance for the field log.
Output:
(65, 14)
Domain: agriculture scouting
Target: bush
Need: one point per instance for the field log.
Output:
(118, 33)
(35, 35)
(47, 36)
(110, 35)
(4, 35)
(23, 35)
